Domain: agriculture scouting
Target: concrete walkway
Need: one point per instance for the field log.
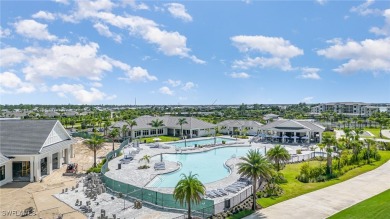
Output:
(328, 201)
(386, 133)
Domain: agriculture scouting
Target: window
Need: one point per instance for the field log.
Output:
(2, 173)
(145, 132)
(137, 133)
(160, 131)
(153, 131)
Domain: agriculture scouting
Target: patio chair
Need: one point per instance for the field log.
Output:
(210, 194)
(222, 191)
(232, 189)
(217, 193)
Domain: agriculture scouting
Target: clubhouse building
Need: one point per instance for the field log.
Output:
(32, 149)
(192, 128)
(241, 127)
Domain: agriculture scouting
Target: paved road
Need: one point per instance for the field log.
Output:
(330, 200)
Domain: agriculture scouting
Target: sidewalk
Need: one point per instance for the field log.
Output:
(330, 200)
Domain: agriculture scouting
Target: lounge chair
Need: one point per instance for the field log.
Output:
(232, 189)
(159, 166)
(217, 193)
(223, 191)
(210, 194)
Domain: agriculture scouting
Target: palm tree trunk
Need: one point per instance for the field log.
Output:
(254, 192)
(329, 162)
(189, 209)
(94, 157)
(113, 148)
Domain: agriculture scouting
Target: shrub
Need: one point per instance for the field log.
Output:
(223, 142)
(143, 167)
(299, 151)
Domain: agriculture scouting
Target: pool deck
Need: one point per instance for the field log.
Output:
(129, 173)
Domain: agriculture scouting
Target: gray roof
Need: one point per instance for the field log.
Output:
(57, 146)
(240, 123)
(23, 137)
(293, 125)
(3, 159)
(144, 122)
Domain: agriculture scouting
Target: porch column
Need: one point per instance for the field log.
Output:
(190, 133)
(32, 169)
(295, 139)
(67, 156)
(174, 132)
(59, 158)
(283, 139)
(49, 164)
(37, 168)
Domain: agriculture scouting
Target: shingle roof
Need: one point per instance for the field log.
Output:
(23, 137)
(240, 123)
(57, 146)
(296, 125)
(144, 122)
(3, 159)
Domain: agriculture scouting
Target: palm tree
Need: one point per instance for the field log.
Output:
(328, 140)
(255, 166)
(189, 189)
(124, 131)
(181, 122)
(369, 143)
(94, 144)
(105, 127)
(113, 135)
(131, 124)
(145, 158)
(156, 124)
(279, 156)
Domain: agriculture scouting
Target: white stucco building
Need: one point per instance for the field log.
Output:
(229, 127)
(193, 128)
(32, 149)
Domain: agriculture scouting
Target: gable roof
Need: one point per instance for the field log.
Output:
(3, 159)
(24, 137)
(293, 125)
(240, 123)
(143, 122)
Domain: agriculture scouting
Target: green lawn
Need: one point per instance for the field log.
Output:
(163, 139)
(294, 188)
(374, 207)
(374, 131)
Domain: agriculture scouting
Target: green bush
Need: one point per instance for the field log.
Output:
(143, 167)
(299, 151)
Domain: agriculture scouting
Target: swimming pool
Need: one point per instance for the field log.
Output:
(191, 143)
(208, 165)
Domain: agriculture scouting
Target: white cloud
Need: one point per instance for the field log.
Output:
(239, 75)
(307, 99)
(4, 32)
(179, 11)
(134, 5)
(169, 43)
(96, 84)
(105, 31)
(69, 61)
(11, 83)
(385, 30)
(367, 55)
(65, 2)
(44, 15)
(279, 52)
(363, 9)
(166, 90)
(310, 73)
(188, 86)
(321, 2)
(132, 73)
(33, 29)
(173, 83)
(247, 1)
(11, 56)
(80, 93)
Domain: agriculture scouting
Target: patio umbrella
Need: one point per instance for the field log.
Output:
(294, 137)
(275, 136)
(285, 136)
(156, 139)
(262, 135)
(305, 137)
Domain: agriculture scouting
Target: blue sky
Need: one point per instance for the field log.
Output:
(194, 52)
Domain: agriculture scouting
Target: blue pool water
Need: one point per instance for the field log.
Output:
(208, 165)
(191, 143)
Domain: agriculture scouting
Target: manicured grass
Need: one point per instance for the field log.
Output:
(163, 139)
(241, 214)
(374, 207)
(294, 188)
(375, 131)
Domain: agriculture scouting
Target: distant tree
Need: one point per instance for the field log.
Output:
(94, 144)
(181, 122)
(113, 135)
(131, 124)
(156, 124)
(279, 156)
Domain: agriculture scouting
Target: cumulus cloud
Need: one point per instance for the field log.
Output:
(105, 31)
(166, 90)
(367, 55)
(11, 83)
(321, 2)
(385, 30)
(81, 94)
(278, 50)
(364, 8)
(44, 15)
(178, 11)
(65, 2)
(132, 73)
(134, 5)
(239, 75)
(11, 56)
(188, 86)
(173, 83)
(167, 42)
(33, 29)
(307, 99)
(4, 32)
(310, 73)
